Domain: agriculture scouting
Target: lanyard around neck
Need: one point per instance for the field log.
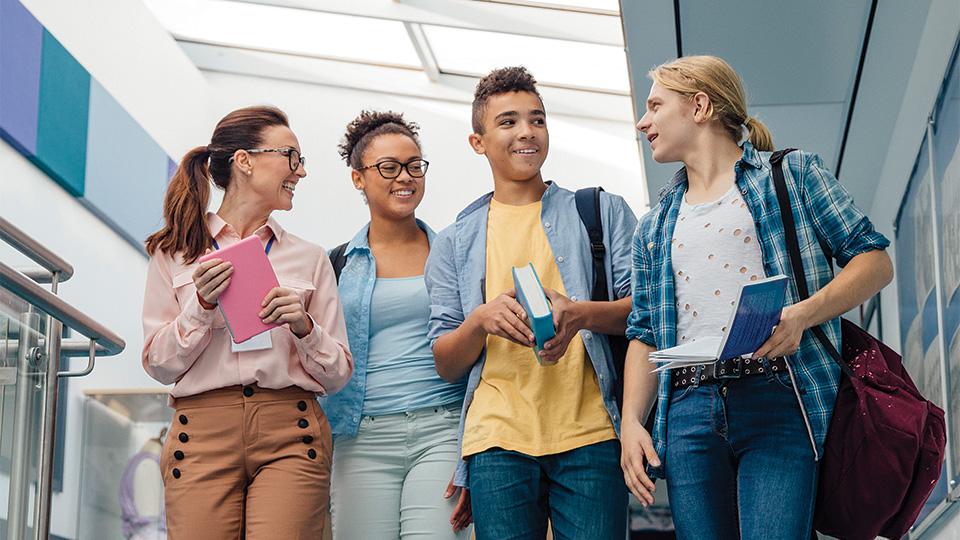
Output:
(265, 250)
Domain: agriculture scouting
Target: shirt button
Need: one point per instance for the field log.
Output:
(560, 259)
(356, 418)
(546, 224)
(588, 336)
(650, 245)
(574, 298)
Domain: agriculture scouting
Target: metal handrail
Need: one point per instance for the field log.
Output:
(34, 250)
(59, 309)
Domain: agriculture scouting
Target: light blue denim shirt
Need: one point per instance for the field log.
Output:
(457, 269)
(357, 279)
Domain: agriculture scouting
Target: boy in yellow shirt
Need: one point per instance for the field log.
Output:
(539, 439)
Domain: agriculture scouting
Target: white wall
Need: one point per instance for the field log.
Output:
(107, 285)
(328, 211)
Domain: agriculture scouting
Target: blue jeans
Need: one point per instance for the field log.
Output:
(739, 462)
(581, 491)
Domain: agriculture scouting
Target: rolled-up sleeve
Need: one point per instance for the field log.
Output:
(440, 275)
(174, 336)
(838, 221)
(324, 353)
(639, 324)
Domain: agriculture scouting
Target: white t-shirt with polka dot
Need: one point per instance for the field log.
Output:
(715, 251)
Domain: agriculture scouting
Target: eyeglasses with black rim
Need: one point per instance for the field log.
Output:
(391, 168)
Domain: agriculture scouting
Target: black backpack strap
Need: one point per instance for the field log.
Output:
(588, 206)
(793, 249)
(338, 258)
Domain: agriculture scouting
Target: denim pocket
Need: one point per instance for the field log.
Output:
(782, 379)
(679, 393)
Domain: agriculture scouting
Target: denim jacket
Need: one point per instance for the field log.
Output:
(456, 273)
(822, 209)
(357, 279)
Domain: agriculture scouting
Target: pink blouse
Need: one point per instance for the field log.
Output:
(190, 346)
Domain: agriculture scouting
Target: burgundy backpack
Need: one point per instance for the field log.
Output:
(885, 446)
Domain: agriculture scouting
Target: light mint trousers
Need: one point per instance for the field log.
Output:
(388, 482)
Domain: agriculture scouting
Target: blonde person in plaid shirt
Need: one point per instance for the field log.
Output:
(739, 453)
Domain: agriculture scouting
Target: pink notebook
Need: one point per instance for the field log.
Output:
(253, 277)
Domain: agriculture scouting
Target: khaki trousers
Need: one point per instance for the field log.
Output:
(247, 462)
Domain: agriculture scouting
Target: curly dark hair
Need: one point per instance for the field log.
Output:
(369, 125)
(500, 81)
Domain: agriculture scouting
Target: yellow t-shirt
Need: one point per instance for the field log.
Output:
(519, 404)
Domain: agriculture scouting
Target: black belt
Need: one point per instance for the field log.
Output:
(727, 369)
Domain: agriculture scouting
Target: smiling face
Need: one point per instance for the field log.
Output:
(394, 199)
(515, 139)
(669, 124)
(266, 176)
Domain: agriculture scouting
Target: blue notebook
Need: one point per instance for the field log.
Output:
(531, 296)
(754, 316)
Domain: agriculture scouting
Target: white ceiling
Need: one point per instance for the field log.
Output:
(799, 60)
(574, 44)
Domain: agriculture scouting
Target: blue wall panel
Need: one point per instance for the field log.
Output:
(126, 172)
(21, 38)
(62, 126)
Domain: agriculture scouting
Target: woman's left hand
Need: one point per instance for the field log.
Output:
(462, 515)
(283, 306)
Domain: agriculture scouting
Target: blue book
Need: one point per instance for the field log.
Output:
(755, 314)
(530, 295)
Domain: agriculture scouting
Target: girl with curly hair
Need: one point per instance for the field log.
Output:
(395, 425)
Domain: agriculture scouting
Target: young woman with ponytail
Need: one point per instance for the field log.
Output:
(738, 441)
(249, 451)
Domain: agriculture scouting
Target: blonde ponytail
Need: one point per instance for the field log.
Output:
(760, 136)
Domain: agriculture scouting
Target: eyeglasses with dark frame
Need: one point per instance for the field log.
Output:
(294, 157)
(391, 168)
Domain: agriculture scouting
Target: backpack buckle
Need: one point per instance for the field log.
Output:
(597, 249)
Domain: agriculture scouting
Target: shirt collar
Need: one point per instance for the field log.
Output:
(216, 225)
(750, 156)
(361, 240)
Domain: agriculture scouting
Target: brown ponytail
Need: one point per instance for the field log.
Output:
(188, 194)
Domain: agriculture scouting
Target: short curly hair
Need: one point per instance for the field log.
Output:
(500, 81)
(368, 126)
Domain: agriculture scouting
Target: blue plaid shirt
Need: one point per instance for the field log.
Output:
(822, 209)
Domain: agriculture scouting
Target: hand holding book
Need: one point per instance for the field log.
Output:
(755, 314)
(533, 299)
(504, 317)
(283, 306)
(566, 322)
